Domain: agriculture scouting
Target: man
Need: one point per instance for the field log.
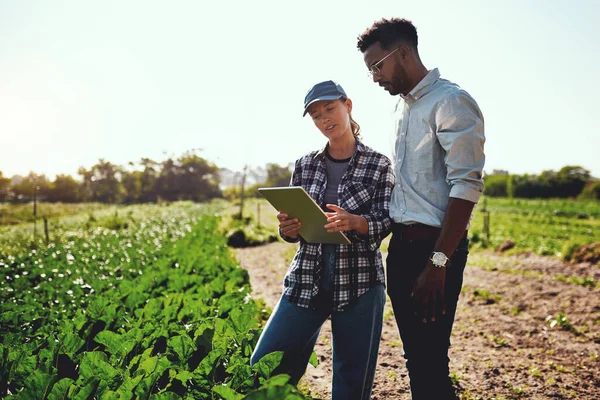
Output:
(438, 161)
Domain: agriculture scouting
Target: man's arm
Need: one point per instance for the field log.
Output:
(460, 132)
(455, 223)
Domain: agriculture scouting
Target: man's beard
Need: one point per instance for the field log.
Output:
(399, 81)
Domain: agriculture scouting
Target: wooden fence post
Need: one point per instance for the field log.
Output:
(258, 214)
(46, 230)
(486, 222)
(34, 211)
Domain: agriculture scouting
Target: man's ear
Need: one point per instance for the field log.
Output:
(404, 52)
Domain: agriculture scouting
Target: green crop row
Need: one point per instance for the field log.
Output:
(546, 227)
(158, 309)
(11, 214)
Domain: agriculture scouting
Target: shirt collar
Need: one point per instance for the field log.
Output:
(423, 87)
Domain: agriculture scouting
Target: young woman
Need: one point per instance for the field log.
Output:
(353, 184)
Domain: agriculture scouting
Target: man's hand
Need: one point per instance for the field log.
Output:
(288, 227)
(428, 293)
(340, 220)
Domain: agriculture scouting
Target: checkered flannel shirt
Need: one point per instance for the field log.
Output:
(365, 190)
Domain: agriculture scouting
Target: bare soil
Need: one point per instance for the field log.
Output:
(527, 327)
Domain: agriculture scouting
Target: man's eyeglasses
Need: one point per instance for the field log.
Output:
(374, 69)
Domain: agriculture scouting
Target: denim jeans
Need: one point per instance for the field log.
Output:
(425, 345)
(356, 334)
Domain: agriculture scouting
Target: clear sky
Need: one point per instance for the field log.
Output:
(122, 80)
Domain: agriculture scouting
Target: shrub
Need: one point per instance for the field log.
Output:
(496, 185)
(591, 191)
(245, 233)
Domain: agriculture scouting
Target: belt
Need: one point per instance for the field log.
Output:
(417, 232)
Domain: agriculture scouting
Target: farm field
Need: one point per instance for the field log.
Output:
(527, 327)
(546, 227)
(149, 304)
(12, 214)
(148, 301)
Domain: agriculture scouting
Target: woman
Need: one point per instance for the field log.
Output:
(353, 184)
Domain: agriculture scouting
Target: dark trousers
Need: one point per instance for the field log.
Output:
(425, 344)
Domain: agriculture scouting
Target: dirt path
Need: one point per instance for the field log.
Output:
(509, 340)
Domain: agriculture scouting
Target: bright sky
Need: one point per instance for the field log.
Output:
(83, 80)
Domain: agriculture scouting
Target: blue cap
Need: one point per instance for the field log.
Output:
(328, 90)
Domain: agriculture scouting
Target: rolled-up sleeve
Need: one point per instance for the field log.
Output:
(460, 131)
(378, 218)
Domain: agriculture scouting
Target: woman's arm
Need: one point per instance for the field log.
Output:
(288, 229)
(374, 226)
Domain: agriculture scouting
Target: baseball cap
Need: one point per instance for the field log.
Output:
(327, 90)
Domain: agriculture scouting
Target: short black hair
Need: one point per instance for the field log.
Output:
(388, 32)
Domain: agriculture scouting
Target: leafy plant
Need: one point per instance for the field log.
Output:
(158, 308)
(561, 321)
(486, 296)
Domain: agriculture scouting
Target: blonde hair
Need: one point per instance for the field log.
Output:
(355, 127)
(353, 124)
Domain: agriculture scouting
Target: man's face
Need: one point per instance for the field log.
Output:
(389, 71)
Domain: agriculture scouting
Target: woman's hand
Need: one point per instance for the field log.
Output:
(340, 220)
(288, 227)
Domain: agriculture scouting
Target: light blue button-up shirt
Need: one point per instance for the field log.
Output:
(438, 151)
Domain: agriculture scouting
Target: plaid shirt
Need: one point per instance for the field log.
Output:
(365, 190)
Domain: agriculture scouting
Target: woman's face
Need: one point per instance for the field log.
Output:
(332, 117)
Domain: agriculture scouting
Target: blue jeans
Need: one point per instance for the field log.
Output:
(356, 334)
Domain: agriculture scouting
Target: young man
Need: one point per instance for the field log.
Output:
(438, 161)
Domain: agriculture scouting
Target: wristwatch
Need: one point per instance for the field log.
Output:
(439, 259)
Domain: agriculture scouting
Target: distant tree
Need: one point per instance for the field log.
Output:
(527, 186)
(190, 177)
(86, 185)
(132, 185)
(575, 171)
(278, 175)
(101, 183)
(510, 186)
(568, 182)
(496, 185)
(4, 187)
(167, 184)
(591, 191)
(64, 189)
(148, 178)
(571, 180)
(26, 189)
(547, 185)
(108, 188)
(199, 179)
(250, 191)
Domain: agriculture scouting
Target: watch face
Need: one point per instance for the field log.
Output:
(439, 258)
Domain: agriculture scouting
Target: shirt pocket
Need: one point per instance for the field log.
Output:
(421, 139)
(357, 197)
